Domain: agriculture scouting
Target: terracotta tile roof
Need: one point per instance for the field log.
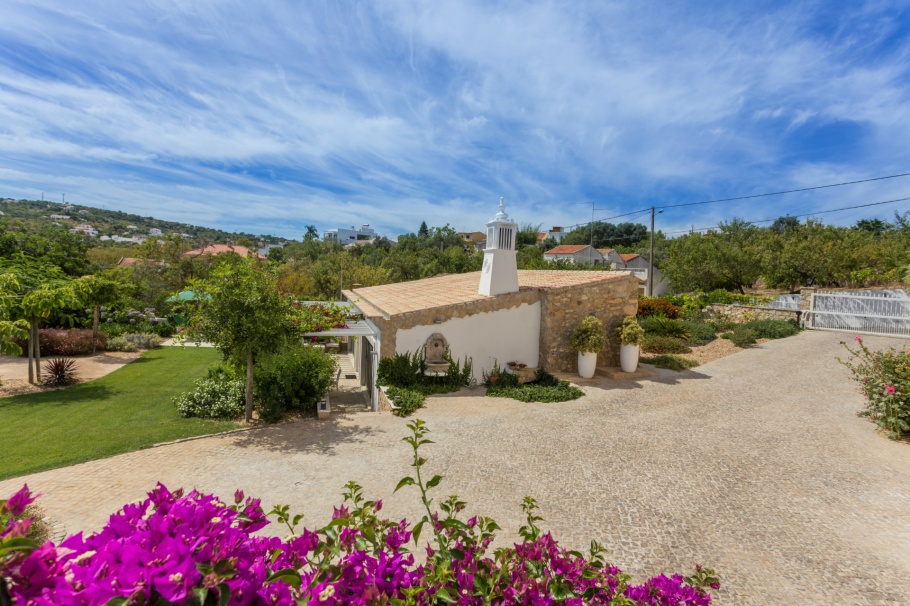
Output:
(566, 249)
(541, 236)
(218, 249)
(441, 291)
(628, 257)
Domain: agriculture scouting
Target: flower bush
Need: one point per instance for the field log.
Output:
(884, 378)
(193, 548)
(656, 306)
(212, 399)
(65, 342)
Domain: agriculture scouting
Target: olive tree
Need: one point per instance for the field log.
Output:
(240, 310)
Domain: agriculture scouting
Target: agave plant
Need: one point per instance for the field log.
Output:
(60, 372)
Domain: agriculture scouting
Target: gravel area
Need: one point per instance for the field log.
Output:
(754, 464)
(14, 370)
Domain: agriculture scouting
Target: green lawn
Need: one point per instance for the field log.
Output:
(126, 410)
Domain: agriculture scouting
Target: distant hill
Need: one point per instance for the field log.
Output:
(34, 216)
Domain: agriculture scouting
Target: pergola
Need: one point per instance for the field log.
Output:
(368, 347)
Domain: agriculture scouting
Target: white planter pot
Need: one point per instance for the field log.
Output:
(587, 364)
(628, 357)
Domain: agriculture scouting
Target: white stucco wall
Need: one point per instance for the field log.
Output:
(503, 336)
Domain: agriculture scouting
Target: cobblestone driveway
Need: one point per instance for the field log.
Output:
(754, 464)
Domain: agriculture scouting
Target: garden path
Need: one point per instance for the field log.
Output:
(14, 369)
(754, 464)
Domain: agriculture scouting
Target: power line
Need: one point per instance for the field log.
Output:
(789, 191)
(821, 212)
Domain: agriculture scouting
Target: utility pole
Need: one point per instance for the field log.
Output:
(651, 257)
(591, 250)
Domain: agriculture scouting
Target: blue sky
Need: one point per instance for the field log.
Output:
(268, 116)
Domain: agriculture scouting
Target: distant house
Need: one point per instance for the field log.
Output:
(60, 217)
(473, 239)
(129, 239)
(154, 231)
(264, 251)
(556, 233)
(577, 254)
(638, 265)
(85, 229)
(83, 212)
(213, 250)
(344, 236)
(133, 262)
(357, 243)
(132, 227)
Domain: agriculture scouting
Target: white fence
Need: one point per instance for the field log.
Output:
(871, 313)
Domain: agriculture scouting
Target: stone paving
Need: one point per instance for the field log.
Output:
(754, 464)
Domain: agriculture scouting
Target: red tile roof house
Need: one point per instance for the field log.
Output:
(213, 250)
(576, 254)
(499, 314)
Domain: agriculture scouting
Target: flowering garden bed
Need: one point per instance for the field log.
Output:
(195, 549)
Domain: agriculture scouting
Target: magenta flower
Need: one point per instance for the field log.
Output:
(17, 503)
(858, 338)
(889, 389)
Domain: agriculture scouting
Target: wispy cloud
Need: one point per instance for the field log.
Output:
(271, 117)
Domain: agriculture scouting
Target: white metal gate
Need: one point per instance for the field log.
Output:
(866, 313)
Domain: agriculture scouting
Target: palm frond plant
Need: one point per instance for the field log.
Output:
(60, 372)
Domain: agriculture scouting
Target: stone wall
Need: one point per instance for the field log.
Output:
(746, 313)
(563, 309)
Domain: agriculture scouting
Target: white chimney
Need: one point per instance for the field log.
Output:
(500, 269)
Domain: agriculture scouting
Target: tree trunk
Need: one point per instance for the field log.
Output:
(95, 322)
(249, 385)
(30, 346)
(37, 354)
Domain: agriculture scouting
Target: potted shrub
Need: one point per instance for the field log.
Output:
(587, 339)
(630, 335)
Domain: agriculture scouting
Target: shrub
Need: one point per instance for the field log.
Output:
(722, 323)
(499, 377)
(222, 371)
(727, 335)
(121, 343)
(656, 306)
(664, 345)
(407, 371)
(884, 379)
(402, 370)
(60, 372)
(589, 336)
(407, 400)
(544, 388)
(665, 327)
(296, 377)
(212, 399)
(134, 342)
(773, 329)
(193, 548)
(699, 333)
(65, 342)
(629, 332)
(670, 362)
(534, 392)
(743, 336)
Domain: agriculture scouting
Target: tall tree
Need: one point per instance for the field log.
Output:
(96, 291)
(730, 258)
(240, 310)
(10, 330)
(424, 231)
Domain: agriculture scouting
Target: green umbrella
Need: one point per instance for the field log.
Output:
(186, 295)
